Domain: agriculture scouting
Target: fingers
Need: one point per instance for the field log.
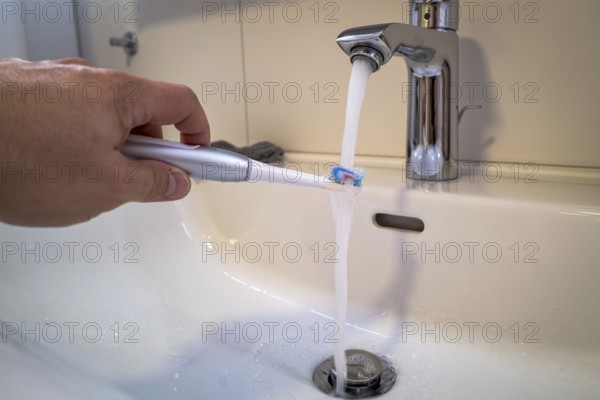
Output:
(151, 181)
(161, 103)
(152, 104)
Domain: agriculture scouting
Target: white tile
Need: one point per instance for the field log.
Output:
(545, 53)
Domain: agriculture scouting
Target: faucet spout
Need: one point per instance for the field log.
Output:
(431, 54)
(389, 40)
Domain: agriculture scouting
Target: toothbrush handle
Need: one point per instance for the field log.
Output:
(204, 163)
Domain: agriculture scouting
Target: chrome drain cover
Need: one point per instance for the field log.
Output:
(368, 376)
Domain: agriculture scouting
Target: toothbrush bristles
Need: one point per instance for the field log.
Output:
(345, 176)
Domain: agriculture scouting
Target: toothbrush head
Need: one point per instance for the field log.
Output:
(344, 176)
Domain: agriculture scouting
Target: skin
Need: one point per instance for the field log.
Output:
(60, 140)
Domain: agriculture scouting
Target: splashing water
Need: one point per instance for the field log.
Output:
(343, 205)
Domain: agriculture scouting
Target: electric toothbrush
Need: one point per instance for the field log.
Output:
(207, 163)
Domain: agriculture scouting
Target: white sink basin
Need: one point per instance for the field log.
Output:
(229, 294)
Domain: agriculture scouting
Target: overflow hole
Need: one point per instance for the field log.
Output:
(399, 222)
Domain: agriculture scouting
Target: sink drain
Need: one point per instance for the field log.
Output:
(368, 376)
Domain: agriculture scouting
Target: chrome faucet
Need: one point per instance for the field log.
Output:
(430, 47)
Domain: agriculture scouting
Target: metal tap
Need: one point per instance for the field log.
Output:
(429, 46)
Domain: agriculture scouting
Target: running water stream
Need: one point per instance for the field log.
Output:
(343, 205)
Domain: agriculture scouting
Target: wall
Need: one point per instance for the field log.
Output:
(50, 29)
(14, 40)
(38, 30)
(530, 64)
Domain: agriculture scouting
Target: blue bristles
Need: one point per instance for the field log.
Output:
(345, 176)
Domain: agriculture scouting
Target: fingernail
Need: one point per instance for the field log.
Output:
(179, 186)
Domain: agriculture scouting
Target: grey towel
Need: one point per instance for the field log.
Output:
(265, 152)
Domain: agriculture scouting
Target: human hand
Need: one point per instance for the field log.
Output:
(62, 125)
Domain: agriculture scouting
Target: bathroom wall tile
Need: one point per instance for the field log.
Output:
(543, 56)
(50, 29)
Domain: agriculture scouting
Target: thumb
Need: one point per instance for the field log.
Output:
(154, 181)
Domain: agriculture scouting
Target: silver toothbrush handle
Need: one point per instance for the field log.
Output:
(203, 163)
